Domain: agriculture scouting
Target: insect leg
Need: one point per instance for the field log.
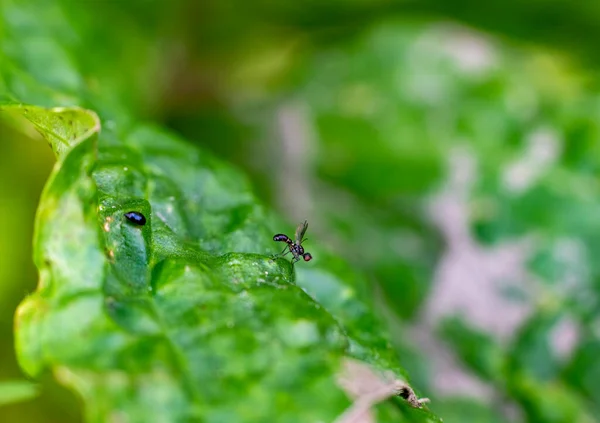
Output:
(283, 253)
(274, 256)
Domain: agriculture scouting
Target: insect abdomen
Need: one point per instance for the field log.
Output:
(282, 238)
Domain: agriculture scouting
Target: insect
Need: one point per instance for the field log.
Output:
(295, 246)
(136, 217)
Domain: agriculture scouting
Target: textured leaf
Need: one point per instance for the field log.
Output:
(62, 127)
(185, 317)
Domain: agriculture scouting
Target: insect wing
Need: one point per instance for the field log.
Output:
(300, 231)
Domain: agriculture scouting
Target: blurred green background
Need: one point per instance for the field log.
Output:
(449, 150)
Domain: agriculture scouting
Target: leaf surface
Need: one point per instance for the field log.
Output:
(187, 317)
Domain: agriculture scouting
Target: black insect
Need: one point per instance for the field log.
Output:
(136, 217)
(295, 246)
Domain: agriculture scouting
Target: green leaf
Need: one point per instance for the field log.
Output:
(12, 391)
(549, 402)
(583, 371)
(62, 127)
(476, 349)
(185, 317)
(466, 410)
(532, 352)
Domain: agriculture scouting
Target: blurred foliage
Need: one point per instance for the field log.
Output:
(348, 113)
(16, 390)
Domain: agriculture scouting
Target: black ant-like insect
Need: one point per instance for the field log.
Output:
(295, 247)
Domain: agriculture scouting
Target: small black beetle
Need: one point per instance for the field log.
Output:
(136, 217)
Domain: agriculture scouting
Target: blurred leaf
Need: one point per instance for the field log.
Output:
(476, 349)
(549, 402)
(17, 390)
(532, 353)
(583, 371)
(534, 21)
(465, 410)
